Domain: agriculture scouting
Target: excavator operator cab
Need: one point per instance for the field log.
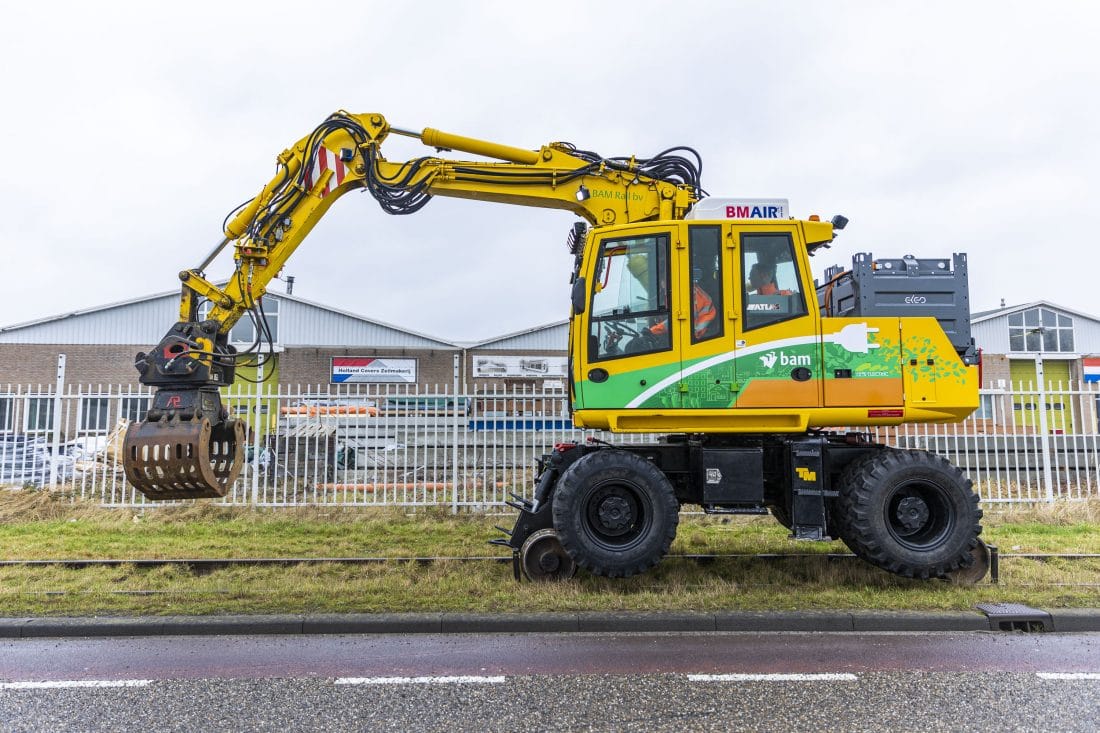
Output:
(677, 312)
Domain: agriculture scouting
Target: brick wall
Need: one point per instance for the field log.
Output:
(995, 368)
(36, 364)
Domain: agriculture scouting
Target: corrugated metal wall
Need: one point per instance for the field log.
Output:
(141, 322)
(552, 337)
(305, 324)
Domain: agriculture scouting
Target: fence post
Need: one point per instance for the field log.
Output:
(55, 452)
(257, 424)
(455, 419)
(1044, 431)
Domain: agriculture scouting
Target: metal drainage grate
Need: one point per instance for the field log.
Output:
(1016, 617)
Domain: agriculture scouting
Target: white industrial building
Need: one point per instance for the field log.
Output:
(313, 344)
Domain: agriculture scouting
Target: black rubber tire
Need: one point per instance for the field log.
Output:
(615, 513)
(909, 512)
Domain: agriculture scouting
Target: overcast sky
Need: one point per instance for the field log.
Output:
(936, 127)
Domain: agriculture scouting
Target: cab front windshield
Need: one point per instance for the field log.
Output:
(630, 298)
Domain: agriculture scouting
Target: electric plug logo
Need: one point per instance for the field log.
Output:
(854, 338)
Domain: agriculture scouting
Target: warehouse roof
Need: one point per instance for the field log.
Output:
(143, 321)
(1006, 310)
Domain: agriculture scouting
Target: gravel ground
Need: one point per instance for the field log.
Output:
(875, 701)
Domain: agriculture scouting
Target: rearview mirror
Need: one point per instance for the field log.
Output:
(580, 295)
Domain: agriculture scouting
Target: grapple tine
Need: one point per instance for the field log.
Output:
(183, 459)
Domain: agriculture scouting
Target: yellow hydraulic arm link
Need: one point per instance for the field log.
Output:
(188, 446)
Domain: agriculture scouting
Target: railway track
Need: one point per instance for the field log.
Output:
(206, 564)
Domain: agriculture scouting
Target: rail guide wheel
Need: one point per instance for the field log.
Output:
(975, 572)
(542, 558)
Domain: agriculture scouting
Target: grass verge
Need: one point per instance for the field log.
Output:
(38, 525)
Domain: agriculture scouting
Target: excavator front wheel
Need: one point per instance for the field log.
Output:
(184, 459)
(615, 513)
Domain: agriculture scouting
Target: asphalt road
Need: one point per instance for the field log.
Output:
(650, 682)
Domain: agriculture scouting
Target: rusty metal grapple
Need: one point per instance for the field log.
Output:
(186, 448)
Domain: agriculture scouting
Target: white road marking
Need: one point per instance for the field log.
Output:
(1068, 675)
(460, 680)
(818, 677)
(61, 684)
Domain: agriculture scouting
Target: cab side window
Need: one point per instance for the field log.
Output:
(705, 254)
(772, 288)
(630, 298)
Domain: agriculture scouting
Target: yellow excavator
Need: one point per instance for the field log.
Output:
(692, 317)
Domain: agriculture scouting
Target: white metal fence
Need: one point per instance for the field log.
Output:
(408, 446)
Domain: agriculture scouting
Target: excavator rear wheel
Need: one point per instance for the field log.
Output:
(909, 512)
(615, 513)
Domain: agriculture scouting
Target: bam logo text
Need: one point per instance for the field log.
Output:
(771, 358)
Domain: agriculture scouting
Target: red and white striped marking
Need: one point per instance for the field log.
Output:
(325, 160)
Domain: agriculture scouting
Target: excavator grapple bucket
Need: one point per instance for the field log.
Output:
(184, 459)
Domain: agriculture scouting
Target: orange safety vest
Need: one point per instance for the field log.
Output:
(771, 289)
(705, 313)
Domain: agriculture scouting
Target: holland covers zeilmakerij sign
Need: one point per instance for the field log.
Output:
(372, 369)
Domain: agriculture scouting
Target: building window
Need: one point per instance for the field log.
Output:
(133, 408)
(987, 409)
(93, 414)
(38, 415)
(244, 331)
(1040, 330)
(7, 413)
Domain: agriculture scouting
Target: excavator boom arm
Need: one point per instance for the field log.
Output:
(188, 446)
(322, 166)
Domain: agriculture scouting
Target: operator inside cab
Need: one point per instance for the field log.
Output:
(762, 280)
(702, 308)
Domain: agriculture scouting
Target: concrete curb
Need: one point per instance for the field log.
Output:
(1062, 620)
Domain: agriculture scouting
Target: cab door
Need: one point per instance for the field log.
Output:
(623, 341)
(777, 334)
(708, 372)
